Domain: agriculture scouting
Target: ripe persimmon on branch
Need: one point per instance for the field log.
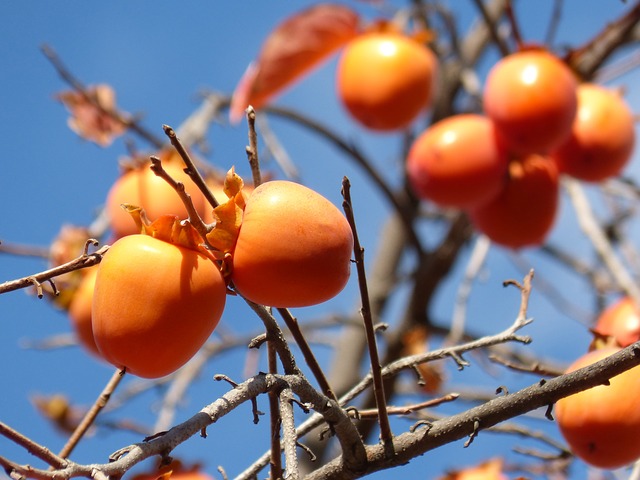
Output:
(477, 174)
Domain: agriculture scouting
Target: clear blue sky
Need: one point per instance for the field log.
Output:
(158, 56)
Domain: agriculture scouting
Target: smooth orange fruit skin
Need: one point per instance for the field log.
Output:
(457, 162)
(154, 305)
(531, 97)
(524, 212)
(143, 188)
(601, 424)
(385, 80)
(621, 320)
(602, 138)
(80, 311)
(294, 247)
(489, 470)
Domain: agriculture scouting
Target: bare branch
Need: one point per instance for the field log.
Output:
(83, 261)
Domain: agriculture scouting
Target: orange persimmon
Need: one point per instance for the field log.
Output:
(602, 138)
(80, 310)
(157, 299)
(601, 424)
(524, 212)
(531, 97)
(457, 162)
(141, 186)
(385, 79)
(621, 321)
(294, 247)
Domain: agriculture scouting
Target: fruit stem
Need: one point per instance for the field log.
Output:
(386, 435)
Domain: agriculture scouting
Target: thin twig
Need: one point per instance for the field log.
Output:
(602, 245)
(78, 86)
(409, 409)
(386, 435)
(275, 334)
(39, 451)
(534, 368)
(191, 169)
(492, 27)
(289, 435)
(554, 22)
(475, 264)
(515, 29)
(275, 414)
(275, 149)
(307, 353)
(91, 415)
(83, 261)
(24, 250)
(194, 216)
(252, 148)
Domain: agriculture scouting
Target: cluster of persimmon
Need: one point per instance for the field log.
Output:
(601, 424)
(160, 290)
(503, 166)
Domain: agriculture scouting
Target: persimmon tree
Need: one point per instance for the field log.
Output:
(494, 132)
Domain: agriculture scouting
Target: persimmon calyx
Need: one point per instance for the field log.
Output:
(168, 228)
(227, 216)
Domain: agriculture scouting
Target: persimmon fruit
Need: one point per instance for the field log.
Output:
(602, 137)
(155, 304)
(294, 247)
(80, 310)
(620, 321)
(457, 162)
(523, 213)
(531, 97)
(489, 470)
(142, 187)
(176, 470)
(385, 79)
(601, 424)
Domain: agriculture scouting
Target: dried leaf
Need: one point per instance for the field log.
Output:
(228, 215)
(293, 48)
(90, 117)
(228, 218)
(57, 409)
(415, 343)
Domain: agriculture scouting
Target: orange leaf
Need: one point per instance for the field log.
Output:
(295, 46)
(90, 117)
(232, 188)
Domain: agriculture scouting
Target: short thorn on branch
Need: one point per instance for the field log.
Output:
(87, 244)
(474, 433)
(549, 412)
(421, 423)
(308, 451)
(220, 376)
